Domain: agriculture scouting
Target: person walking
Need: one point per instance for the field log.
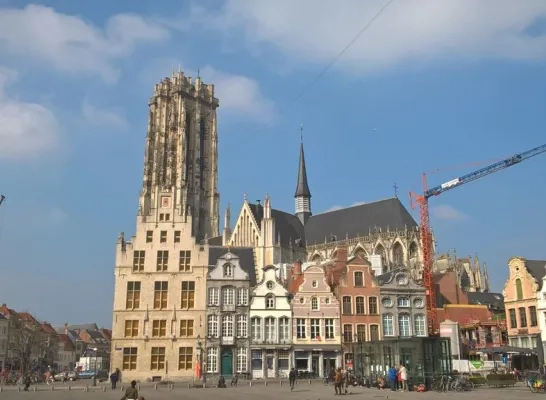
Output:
(292, 379)
(114, 379)
(338, 382)
(131, 393)
(404, 377)
(393, 378)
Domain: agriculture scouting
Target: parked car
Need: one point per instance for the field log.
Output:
(102, 375)
(71, 376)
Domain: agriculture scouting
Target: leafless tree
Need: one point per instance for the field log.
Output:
(29, 344)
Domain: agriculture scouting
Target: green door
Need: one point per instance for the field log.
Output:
(227, 362)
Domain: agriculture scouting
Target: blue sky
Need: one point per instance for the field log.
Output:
(431, 85)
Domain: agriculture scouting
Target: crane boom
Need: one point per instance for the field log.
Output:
(2, 198)
(498, 166)
(426, 232)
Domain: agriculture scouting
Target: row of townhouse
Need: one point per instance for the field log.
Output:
(215, 318)
(27, 344)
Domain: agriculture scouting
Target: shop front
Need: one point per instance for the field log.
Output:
(270, 363)
(316, 362)
(422, 357)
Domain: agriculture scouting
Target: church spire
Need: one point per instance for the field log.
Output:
(303, 194)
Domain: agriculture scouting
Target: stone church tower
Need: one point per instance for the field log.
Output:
(181, 159)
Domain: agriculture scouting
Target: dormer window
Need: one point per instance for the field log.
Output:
(270, 302)
(228, 271)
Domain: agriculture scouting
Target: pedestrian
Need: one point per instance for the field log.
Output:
(292, 379)
(404, 377)
(393, 378)
(27, 381)
(346, 378)
(3, 377)
(338, 382)
(114, 379)
(131, 393)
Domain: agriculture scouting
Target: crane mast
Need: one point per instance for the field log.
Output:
(426, 232)
(2, 198)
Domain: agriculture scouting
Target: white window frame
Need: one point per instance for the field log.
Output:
(314, 303)
(228, 270)
(228, 297)
(242, 297)
(404, 325)
(242, 326)
(315, 328)
(301, 328)
(242, 360)
(212, 326)
(227, 325)
(284, 328)
(403, 302)
(329, 328)
(420, 325)
(212, 360)
(269, 301)
(270, 329)
(387, 319)
(214, 296)
(256, 328)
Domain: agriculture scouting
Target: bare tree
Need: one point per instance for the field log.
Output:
(25, 339)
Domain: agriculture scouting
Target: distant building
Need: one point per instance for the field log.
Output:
(4, 340)
(520, 292)
(227, 317)
(270, 327)
(66, 358)
(541, 311)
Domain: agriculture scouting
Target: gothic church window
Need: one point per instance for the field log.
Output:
(398, 254)
(380, 250)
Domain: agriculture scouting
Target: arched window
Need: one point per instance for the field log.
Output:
(388, 325)
(397, 254)
(519, 289)
(212, 326)
(228, 270)
(242, 326)
(227, 325)
(419, 326)
(212, 359)
(269, 301)
(314, 304)
(404, 325)
(256, 328)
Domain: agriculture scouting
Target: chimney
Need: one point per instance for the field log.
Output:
(296, 269)
(65, 328)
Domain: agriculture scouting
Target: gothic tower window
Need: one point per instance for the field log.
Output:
(380, 250)
(397, 254)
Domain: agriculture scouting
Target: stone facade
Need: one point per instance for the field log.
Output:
(227, 343)
(403, 302)
(160, 273)
(541, 312)
(270, 327)
(520, 298)
(316, 322)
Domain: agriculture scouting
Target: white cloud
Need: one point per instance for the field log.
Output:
(416, 30)
(71, 44)
(447, 213)
(334, 208)
(103, 117)
(26, 129)
(240, 95)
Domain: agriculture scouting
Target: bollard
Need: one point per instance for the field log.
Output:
(138, 387)
(18, 388)
(249, 383)
(52, 388)
(189, 386)
(104, 388)
(34, 388)
(265, 383)
(280, 382)
(309, 381)
(171, 387)
(69, 388)
(86, 389)
(121, 389)
(155, 386)
(1, 389)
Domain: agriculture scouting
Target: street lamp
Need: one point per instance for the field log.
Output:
(95, 349)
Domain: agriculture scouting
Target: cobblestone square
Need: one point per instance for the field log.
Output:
(303, 391)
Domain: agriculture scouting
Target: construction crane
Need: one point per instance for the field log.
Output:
(2, 198)
(426, 233)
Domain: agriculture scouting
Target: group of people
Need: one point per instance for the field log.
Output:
(396, 379)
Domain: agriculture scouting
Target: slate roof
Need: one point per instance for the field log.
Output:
(246, 259)
(537, 268)
(215, 241)
(288, 226)
(79, 327)
(484, 298)
(358, 221)
(302, 187)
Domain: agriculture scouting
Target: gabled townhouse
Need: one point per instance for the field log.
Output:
(521, 292)
(228, 299)
(358, 294)
(4, 340)
(270, 326)
(541, 311)
(66, 356)
(316, 333)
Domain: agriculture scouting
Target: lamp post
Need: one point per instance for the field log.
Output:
(200, 357)
(95, 349)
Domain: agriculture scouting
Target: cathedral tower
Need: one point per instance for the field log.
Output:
(303, 194)
(180, 182)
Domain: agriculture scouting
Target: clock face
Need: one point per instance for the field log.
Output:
(165, 202)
